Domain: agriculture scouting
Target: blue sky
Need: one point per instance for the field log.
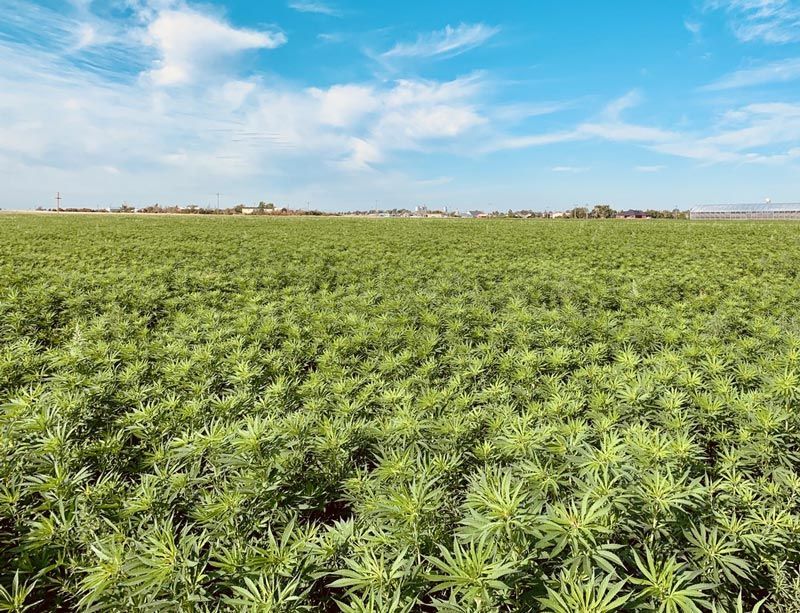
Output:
(343, 104)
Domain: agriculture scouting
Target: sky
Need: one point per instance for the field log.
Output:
(344, 104)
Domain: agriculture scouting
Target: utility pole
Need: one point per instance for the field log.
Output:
(218, 201)
(58, 202)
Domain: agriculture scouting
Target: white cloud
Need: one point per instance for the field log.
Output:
(610, 125)
(145, 142)
(569, 169)
(418, 123)
(124, 133)
(750, 134)
(697, 150)
(330, 37)
(437, 181)
(235, 93)
(616, 107)
(760, 132)
(769, 21)
(191, 44)
(693, 27)
(363, 154)
(505, 143)
(763, 125)
(619, 131)
(516, 112)
(775, 72)
(444, 43)
(87, 36)
(408, 92)
(417, 112)
(343, 105)
(320, 8)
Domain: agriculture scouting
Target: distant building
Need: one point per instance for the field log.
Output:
(261, 210)
(632, 214)
(767, 210)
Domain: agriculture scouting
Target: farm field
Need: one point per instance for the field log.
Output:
(213, 414)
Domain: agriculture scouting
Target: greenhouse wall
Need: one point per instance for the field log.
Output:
(746, 211)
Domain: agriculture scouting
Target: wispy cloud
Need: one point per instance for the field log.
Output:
(506, 143)
(78, 35)
(444, 43)
(433, 182)
(617, 106)
(693, 27)
(769, 21)
(330, 37)
(756, 133)
(569, 169)
(321, 8)
(515, 112)
(775, 72)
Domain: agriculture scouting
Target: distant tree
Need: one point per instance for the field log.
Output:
(602, 211)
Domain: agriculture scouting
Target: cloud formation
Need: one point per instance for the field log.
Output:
(568, 169)
(768, 21)
(780, 71)
(320, 8)
(755, 133)
(170, 123)
(190, 44)
(177, 101)
(444, 43)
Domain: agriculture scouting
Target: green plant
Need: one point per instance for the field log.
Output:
(213, 413)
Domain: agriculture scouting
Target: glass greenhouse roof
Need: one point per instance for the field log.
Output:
(774, 207)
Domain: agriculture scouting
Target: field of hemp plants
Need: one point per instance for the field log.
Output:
(398, 415)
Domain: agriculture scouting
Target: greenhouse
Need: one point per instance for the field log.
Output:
(746, 211)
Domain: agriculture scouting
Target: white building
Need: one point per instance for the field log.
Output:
(768, 210)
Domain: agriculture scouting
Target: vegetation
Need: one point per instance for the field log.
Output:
(386, 415)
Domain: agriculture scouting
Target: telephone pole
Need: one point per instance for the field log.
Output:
(218, 201)
(58, 202)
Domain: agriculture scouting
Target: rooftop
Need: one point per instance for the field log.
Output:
(761, 207)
